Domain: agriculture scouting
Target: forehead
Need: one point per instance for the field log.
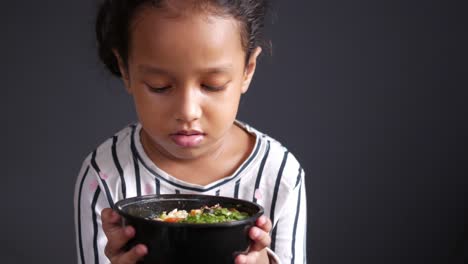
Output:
(186, 40)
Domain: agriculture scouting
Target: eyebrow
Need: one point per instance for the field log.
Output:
(151, 69)
(216, 69)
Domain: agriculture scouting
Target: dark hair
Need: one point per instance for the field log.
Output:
(114, 18)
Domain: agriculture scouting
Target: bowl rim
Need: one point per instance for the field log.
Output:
(118, 206)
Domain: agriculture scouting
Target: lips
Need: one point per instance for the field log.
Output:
(187, 138)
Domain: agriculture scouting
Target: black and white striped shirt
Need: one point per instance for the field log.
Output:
(119, 168)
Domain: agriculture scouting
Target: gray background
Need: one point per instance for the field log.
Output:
(369, 95)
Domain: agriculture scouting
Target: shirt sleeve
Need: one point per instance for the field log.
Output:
(89, 200)
(289, 234)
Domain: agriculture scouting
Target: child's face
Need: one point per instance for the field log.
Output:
(186, 75)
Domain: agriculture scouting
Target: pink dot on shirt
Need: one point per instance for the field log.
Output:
(93, 185)
(148, 188)
(103, 175)
(258, 194)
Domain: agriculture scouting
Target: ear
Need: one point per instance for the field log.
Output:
(250, 69)
(123, 71)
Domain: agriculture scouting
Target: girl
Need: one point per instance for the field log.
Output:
(186, 65)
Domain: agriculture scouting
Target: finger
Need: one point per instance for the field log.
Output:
(110, 221)
(250, 258)
(110, 218)
(116, 235)
(264, 223)
(261, 239)
(117, 239)
(131, 256)
(243, 259)
(240, 259)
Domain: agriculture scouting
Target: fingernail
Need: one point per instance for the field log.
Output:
(255, 233)
(128, 231)
(240, 259)
(141, 250)
(261, 220)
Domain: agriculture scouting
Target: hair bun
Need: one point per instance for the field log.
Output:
(104, 35)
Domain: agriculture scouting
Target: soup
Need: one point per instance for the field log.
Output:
(204, 215)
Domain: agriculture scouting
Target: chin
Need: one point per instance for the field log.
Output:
(187, 153)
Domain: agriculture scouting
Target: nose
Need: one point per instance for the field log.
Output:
(188, 105)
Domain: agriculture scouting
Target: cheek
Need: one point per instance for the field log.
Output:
(225, 110)
(149, 111)
(143, 107)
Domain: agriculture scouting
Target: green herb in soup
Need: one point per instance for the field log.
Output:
(204, 215)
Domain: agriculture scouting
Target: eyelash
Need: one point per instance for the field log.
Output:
(165, 88)
(214, 88)
(159, 89)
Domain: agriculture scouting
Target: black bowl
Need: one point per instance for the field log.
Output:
(187, 242)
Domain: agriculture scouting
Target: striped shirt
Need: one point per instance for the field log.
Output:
(119, 168)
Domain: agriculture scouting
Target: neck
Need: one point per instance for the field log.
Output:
(220, 161)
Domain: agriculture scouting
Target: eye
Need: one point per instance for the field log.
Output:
(158, 89)
(214, 88)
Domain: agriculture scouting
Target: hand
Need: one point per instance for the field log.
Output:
(261, 239)
(117, 237)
